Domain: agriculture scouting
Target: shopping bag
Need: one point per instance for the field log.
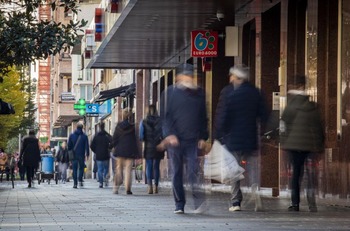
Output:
(221, 165)
(71, 155)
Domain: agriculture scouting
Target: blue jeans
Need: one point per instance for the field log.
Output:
(152, 171)
(102, 170)
(78, 169)
(186, 154)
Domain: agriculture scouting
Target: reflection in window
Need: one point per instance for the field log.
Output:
(345, 64)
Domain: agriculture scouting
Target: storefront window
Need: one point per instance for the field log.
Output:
(311, 49)
(345, 65)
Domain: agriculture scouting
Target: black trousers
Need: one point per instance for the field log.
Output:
(30, 173)
(298, 159)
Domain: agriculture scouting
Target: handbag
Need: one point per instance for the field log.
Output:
(71, 153)
(221, 165)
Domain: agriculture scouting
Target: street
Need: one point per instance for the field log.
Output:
(60, 207)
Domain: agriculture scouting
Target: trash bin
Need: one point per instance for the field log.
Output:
(47, 163)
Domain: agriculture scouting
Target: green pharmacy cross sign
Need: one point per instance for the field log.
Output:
(80, 107)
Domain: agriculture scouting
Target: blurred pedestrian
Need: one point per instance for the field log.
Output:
(151, 134)
(125, 151)
(240, 109)
(30, 155)
(100, 145)
(21, 168)
(302, 138)
(63, 160)
(79, 143)
(184, 118)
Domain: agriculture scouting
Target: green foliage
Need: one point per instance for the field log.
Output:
(11, 92)
(24, 39)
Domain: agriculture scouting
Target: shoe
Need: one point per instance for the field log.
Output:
(313, 209)
(129, 192)
(75, 186)
(201, 209)
(101, 186)
(106, 182)
(29, 185)
(179, 211)
(235, 207)
(81, 184)
(150, 189)
(293, 208)
(155, 190)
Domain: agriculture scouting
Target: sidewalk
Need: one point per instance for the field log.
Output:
(60, 207)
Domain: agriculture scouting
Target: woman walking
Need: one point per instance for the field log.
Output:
(63, 161)
(151, 134)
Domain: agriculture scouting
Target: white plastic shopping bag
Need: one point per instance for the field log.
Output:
(221, 165)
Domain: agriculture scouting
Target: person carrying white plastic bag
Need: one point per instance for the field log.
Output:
(221, 165)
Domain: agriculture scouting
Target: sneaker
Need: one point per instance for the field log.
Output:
(293, 208)
(179, 211)
(235, 207)
(201, 209)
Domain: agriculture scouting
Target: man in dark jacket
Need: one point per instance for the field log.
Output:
(125, 151)
(30, 155)
(100, 146)
(236, 125)
(301, 137)
(184, 117)
(79, 143)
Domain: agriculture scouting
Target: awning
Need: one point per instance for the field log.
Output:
(115, 92)
(155, 34)
(66, 120)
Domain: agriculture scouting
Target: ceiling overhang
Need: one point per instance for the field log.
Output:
(115, 92)
(66, 120)
(154, 34)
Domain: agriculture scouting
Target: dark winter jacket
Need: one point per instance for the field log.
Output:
(237, 116)
(30, 152)
(184, 114)
(100, 145)
(152, 136)
(124, 140)
(303, 127)
(82, 148)
(62, 155)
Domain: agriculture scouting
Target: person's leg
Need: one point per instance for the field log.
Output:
(297, 161)
(75, 172)
(149, 174)
(128, 174)
(29, 170)
(253, 173)
(236, 193)
(105, 166)
(311, 171)
(64, 172)
(193, 173)
(118, 178)
(81, 163)
(100, 169)
(156, 170)
(176, 159)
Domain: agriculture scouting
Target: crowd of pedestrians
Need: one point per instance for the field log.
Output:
(180, 132)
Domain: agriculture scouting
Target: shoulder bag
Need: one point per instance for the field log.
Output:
(71, 153)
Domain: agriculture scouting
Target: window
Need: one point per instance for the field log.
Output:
(86, 92)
